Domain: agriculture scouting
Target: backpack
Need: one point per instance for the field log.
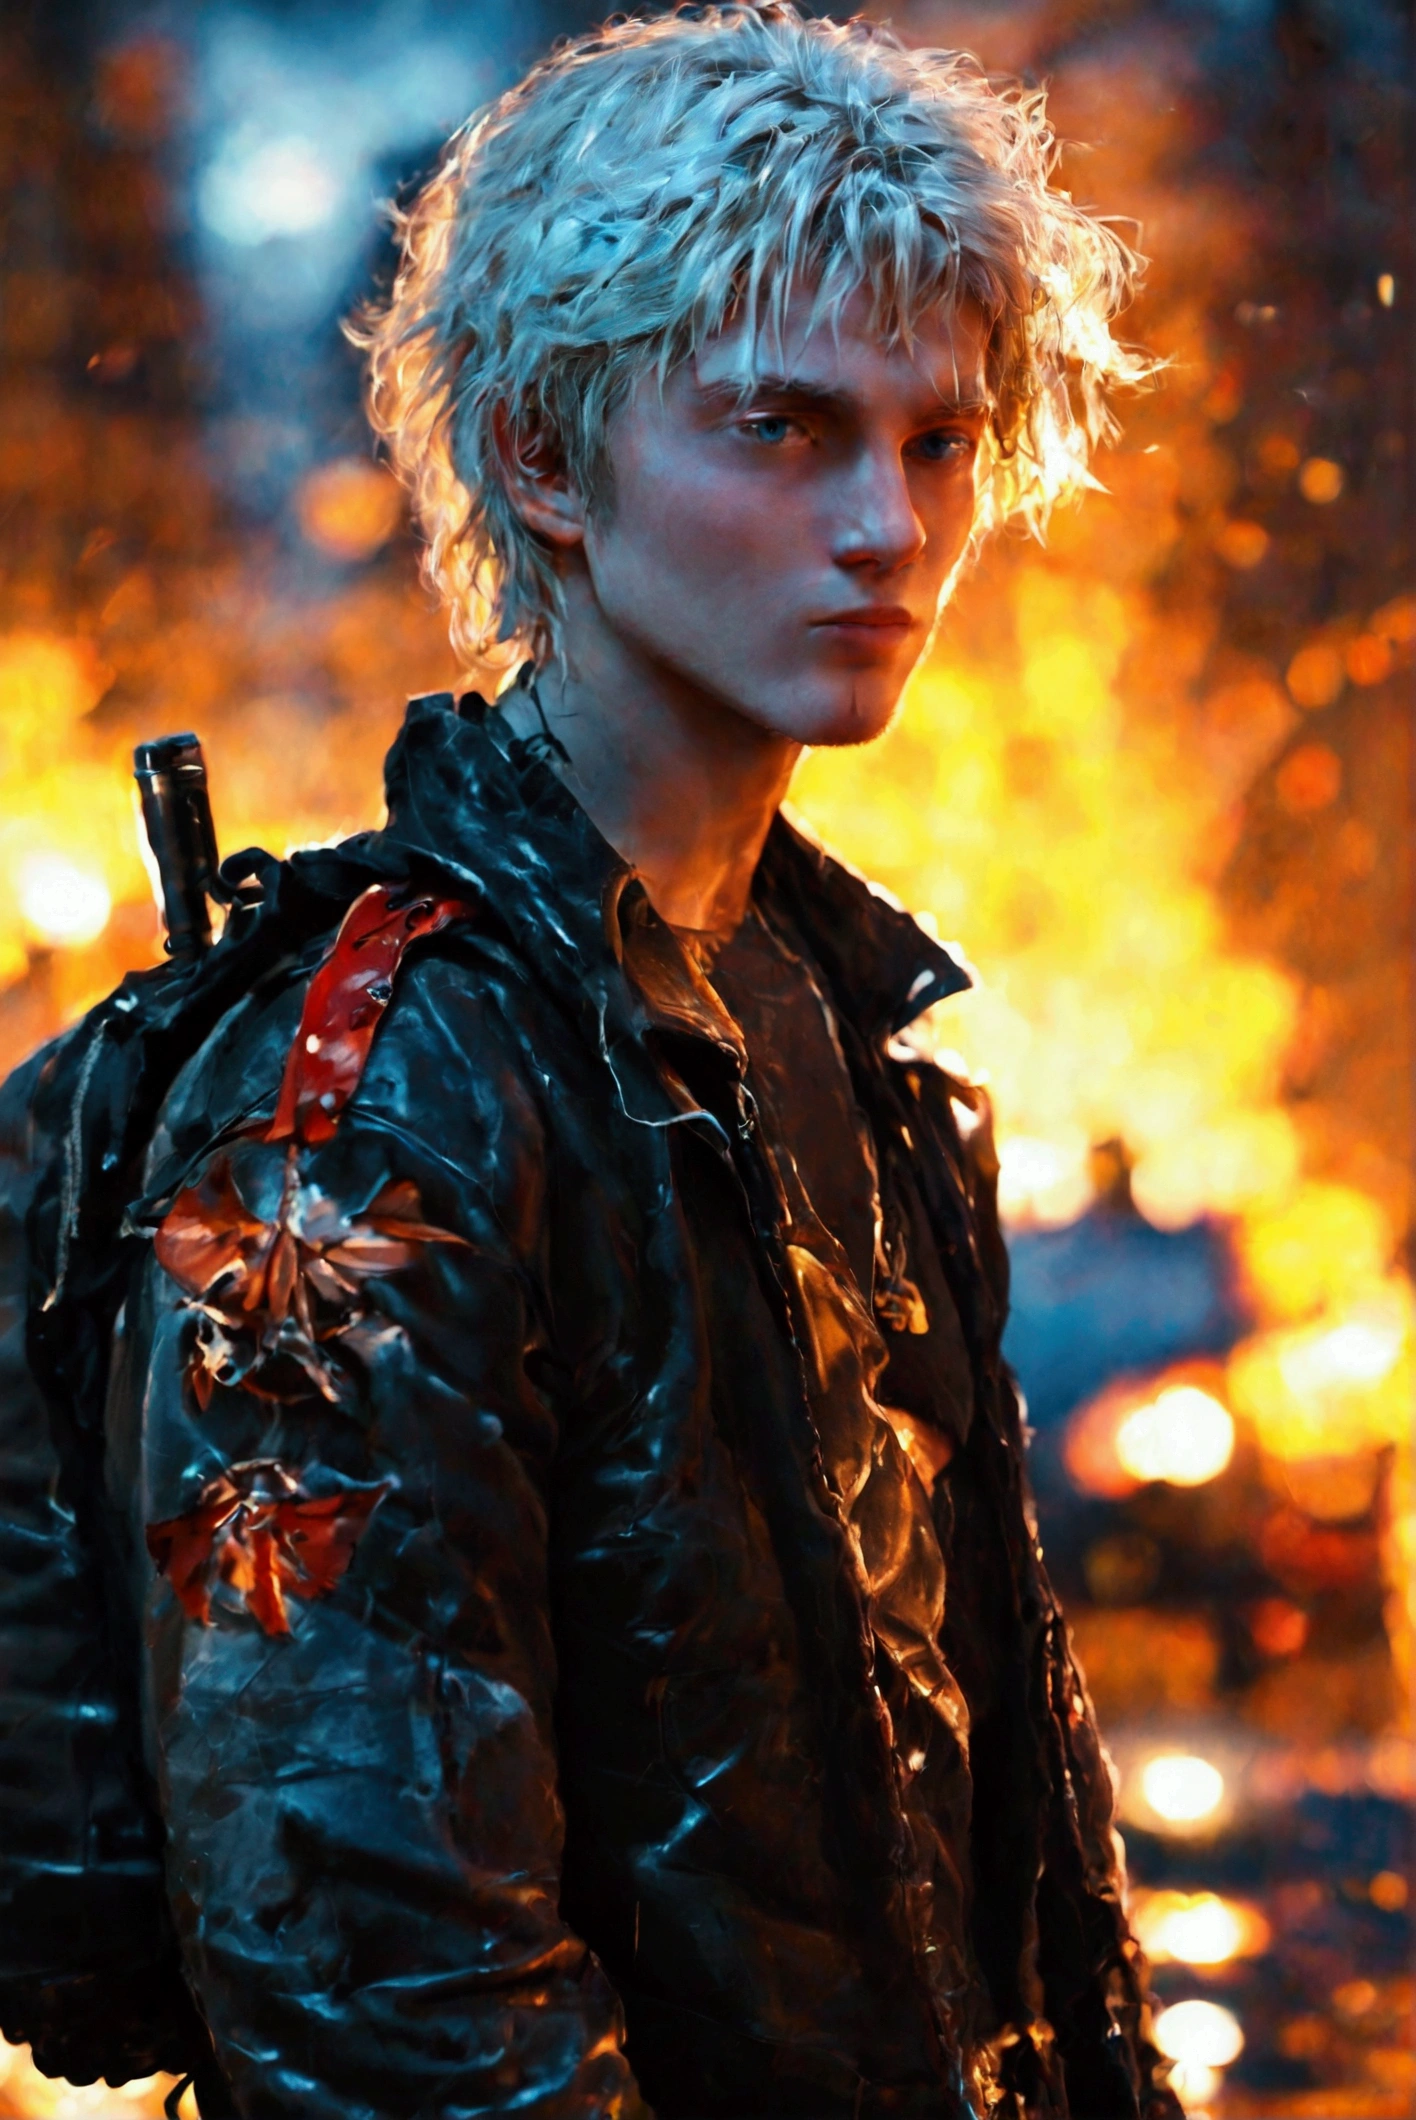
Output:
(90, 1974)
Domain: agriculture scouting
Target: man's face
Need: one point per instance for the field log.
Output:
(783, 552)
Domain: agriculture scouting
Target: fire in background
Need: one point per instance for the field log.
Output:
(1156, 778)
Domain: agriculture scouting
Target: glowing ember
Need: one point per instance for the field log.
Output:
(62, 904)
(1182, 1435)
(1182, 1788)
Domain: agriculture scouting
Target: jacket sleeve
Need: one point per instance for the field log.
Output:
(1046, 1843)
(341, 1437)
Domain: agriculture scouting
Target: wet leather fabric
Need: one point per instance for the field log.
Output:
(90, 1972)
(661, 1744)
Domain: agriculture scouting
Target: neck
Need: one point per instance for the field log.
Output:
(681, 785)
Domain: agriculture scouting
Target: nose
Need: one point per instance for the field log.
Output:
(880, 529)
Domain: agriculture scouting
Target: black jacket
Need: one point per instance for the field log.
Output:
(563, 1695)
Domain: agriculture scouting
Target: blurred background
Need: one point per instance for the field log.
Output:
(1157, 779)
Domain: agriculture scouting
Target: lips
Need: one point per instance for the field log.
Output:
(874, 618)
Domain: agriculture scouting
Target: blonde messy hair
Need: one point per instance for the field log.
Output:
(608, 214)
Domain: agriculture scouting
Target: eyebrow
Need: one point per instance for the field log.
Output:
(728, 395)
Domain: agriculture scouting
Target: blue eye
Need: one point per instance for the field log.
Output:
(939, 447)
(770, 427)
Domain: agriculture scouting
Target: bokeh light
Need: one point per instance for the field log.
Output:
(1316, 675)
(1044, 1183)
(64, 905)
(1182, 1435)
(1200, 2038)
(1389, 1890)
(23, 2090)
(1199, 2031)
(259, 188)
(1194, 2084)
(1321, 481)
(1197, 1928)
(1181, 1788)
(1362, 1350)
(349, 508)
(1340, 1384)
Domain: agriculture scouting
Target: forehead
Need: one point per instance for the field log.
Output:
(847, 353)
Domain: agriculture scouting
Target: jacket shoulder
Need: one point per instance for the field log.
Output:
(412, 1062)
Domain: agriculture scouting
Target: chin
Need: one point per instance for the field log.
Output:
(856, 712)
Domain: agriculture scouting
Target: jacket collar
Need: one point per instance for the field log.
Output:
(503, 821)
(883, 969)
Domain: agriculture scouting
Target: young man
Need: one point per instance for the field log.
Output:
(597, 1655)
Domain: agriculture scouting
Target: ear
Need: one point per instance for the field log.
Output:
(539, 485)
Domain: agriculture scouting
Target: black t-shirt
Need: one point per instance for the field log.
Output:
(799, 1077)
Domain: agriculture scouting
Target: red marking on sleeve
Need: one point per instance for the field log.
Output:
(255, 1529)
(275, 1293)
(344, 1004)
(282, 1291)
